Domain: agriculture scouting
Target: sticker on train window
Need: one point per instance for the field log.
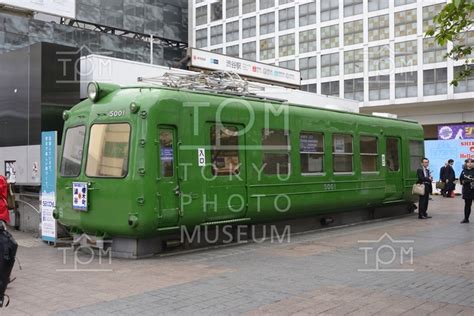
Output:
(201, 157)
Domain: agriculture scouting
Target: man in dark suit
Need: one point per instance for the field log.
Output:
(449, 178)
(425, 178)
(442, 178)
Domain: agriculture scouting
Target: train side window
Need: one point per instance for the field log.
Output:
(225, 150)
(342, 150)
(368, 153)
(416, 153)
(276, 151)
(311, 152)
(166, 153)
(393, 161)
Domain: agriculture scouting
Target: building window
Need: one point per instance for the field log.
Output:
(379, 28)
(379, 57)
(267, 48)
(330, 88)
(467, 84)
(403, 2)
(216, 11)
(232, 8)
(429, 12)
(342, 153)
(201, 38)
(406, 54)
(201, 15)
(329, 10)
(375, 5)
(368, 154)
(312, 152)
(353, 7)
(354, 89)
(265, 4)
(249, 51)
(224, 150)
(288, 64)
(432, 52)
(232, 51)
(249, 6)
(353, 32)
(466, 39)
(406, 85)
(354, 61)
(313, 88)
(216, 35)
(435, 81)
(286, 18)
(379, 88)
(217, 50)
(416, 154)
(308, 67)
(232, 31)
(330, 36)
(280, 2)
(287, 45)
(330, 65)
(405, 22)
(393, 159)
(308, 41)
(249, 27)
(267, 23)
(308, 14)
(276, 151)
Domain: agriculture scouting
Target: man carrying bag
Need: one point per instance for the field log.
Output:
(426, 179)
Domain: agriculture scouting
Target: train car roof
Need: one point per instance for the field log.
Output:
(260, 98)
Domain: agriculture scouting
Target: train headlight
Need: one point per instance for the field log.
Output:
(134, 107)
(66, 115)
(93, 91)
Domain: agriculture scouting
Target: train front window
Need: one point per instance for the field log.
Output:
(71, 161)
(108, 150)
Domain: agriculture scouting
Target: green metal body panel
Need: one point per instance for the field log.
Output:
(191, 197)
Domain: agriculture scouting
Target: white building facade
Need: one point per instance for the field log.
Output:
(372, 51)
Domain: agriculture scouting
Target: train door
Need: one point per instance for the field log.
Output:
(168, 189)
(226, 196)
(393, 174)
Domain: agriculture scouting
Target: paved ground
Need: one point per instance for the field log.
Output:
(332, 272)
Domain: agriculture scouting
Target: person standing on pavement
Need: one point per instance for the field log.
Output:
(425, 178)
(467, 181)
(450, 177)
(442, 174)
(4, 213)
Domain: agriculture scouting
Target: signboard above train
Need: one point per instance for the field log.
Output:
(200, 59)
(63, 8)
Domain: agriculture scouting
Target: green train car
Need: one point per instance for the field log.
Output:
(142, 161)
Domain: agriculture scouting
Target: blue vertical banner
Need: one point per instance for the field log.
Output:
(48, 185)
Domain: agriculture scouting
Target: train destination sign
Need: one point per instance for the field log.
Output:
(243, 67)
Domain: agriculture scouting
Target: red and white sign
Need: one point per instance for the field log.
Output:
(247, 68)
